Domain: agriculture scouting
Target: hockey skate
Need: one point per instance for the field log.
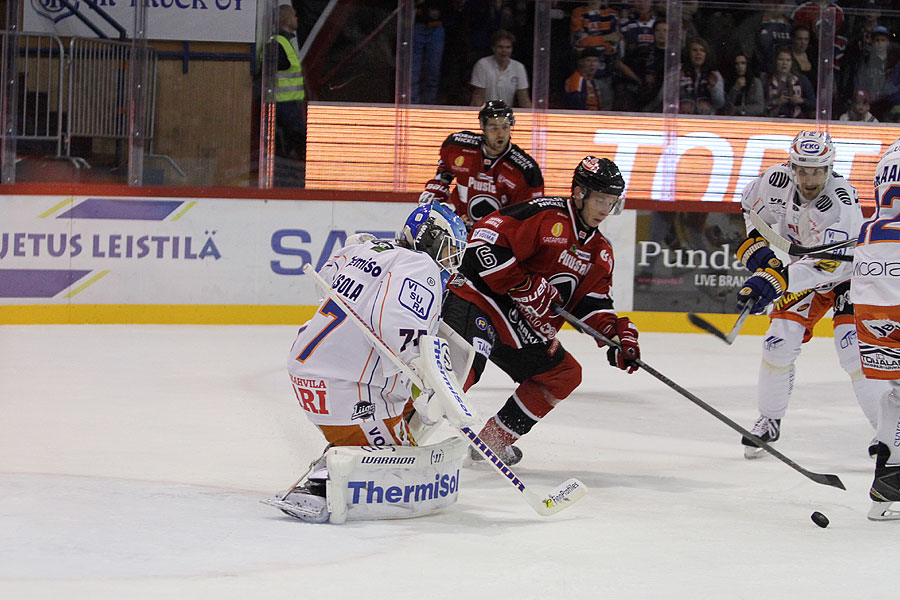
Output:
(766, 429)
(306, 502)
(510, 455)
(885, 490)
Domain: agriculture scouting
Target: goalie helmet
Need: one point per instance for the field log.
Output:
(495, 109)
(600, 175)
(439, 232)
(812, 149)
(887, 183)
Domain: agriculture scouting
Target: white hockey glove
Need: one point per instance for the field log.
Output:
(447, 399)
(436, 190)
(358, 238)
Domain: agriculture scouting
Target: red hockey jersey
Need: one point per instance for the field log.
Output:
(544, 237)
(484, 184)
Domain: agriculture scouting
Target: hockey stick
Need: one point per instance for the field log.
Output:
(708, 327)
(776, 241)
(824, 479)
(558, 499)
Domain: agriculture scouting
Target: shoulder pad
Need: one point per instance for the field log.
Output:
(778, 176)
(529, 167)
(464, 138)
(525, 210)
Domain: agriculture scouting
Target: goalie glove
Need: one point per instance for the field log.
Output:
(534, 298)
(762, 288)
(622, 330)
(436, 190)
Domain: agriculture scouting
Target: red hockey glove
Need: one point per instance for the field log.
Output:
(436, 190)
(535, 298)
(629, 350)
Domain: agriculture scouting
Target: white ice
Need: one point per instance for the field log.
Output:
(132, 459)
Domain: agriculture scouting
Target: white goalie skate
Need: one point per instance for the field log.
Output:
(301, 504)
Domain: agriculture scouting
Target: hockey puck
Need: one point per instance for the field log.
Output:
(819, 519)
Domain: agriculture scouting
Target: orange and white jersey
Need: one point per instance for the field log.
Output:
(834, 216)
(338, 376)
(875, 286)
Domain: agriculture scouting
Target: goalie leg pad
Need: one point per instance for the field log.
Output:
(393, 482)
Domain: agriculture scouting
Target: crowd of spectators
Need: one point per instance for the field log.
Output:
(753, 58)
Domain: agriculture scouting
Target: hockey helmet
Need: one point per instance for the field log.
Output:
(812, 149)
(600, 175)
(495, 109)
(439, 232)
(887, 183)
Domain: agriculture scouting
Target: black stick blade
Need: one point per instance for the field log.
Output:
(701, 323)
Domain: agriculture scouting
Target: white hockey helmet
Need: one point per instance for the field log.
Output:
(439, 232)
(887, 183)
(812, 149)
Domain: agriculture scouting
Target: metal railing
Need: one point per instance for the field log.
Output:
(40, 72)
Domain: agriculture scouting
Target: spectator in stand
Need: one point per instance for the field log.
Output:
(872, 71)
(595, 25)
(428, 50)
(774, 32)
(745, 96)
(637, 33)
(702, 89)
(859, 109)
(784, 90)
(650, 94)
(581, 89)
(803, 61)
(499, 76)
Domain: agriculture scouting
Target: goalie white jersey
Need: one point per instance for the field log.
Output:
(834, 216)
(338, 376)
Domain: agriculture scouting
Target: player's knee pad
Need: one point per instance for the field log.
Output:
(781, 346)
(847, 348)
(392, 482)
(563, 379)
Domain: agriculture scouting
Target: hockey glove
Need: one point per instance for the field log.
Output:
(436, 190)
(629, 350)
(534, 298)
(756, 254)
(762, 288)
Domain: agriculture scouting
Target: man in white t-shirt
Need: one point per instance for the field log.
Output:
(498, 76)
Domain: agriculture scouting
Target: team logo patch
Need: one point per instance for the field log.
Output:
(591, 163)
(557, 229)
(363, 410)
(481, 323)
(416, 298)
(883, 328)
(459, 161)
(485, 235)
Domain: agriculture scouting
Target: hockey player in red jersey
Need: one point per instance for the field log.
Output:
(490, 171)
(522, 261)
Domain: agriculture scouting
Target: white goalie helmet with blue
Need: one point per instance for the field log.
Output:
(439, 232)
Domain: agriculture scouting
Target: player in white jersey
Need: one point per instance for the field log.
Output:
(876, 295)
(804, 201)
(341, 381)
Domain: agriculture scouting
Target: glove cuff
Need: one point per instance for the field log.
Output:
(776, 277)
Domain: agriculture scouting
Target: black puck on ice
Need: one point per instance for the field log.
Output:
(819, 519)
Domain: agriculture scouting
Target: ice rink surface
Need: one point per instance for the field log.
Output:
(132, 459)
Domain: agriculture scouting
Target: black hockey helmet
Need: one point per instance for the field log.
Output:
(598, 175)
(495, 108)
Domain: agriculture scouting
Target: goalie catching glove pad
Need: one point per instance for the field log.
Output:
(534, 298)
(756, 254)
(762, 288)
(623, 331)
(436, 190)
